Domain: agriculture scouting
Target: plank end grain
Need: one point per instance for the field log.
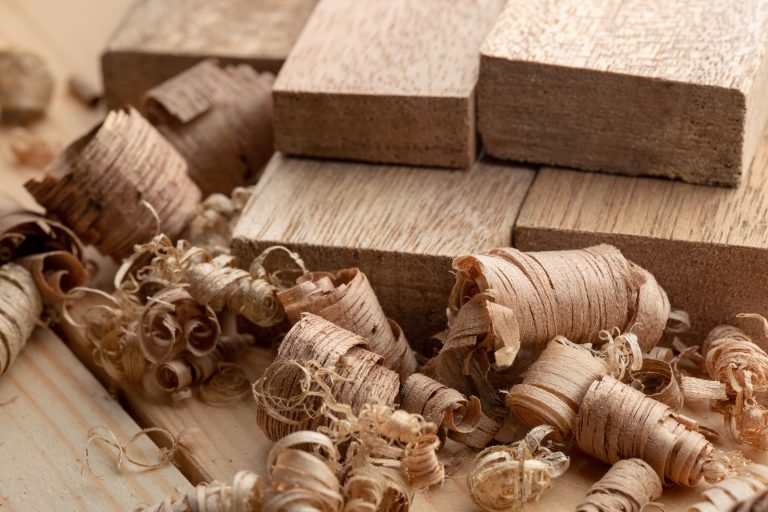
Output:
(708, 247)
(402, 226)
(161, 38)
(385, 81)
(673, 89)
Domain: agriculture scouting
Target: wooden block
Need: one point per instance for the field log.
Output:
(402, 226)
(707, 247)
(55, 401)
(161, 38)
(673, 89)
(385, 81)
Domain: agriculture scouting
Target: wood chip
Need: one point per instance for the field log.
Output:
(347, 299)
(26, 86)
(341, 371)
(20, 309)
(616, 421)
(505, 478)
(119, 185)
(574, 293)
(627, 487)
(244, 494)
(220, 120)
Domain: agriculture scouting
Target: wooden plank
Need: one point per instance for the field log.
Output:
(161, 38)
(385, 81)
(402, 226)
(673, 89)
(707, 247)
(55, 401)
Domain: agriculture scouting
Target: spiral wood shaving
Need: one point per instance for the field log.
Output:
(245, 494)
(616, 421)
(220, 121)
(373, 488)
(20, 309)
(214, 220)
(26, 86)
(657, 380)
(505, 478)
(347, 299)
(575, 293)
(745, 491)
(627, 487)
(119, 185)
(341, 370)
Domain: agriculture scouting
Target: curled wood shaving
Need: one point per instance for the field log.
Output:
(24, 233)
(56, 274)
(303, 480)
(188, 370)
(20, 309)
(230, 384)
(616, 421)
(678, 321)
(173, 321)
(694, 388)
(555, 385)
(372, 488)
(106, 436)
(214, 220)
(319, 366)
(574, 293)
(26, 86)
(220, 120)
(657, 380)
(30, 149)
(481, 436)
(627, 487)
(441, 405)
(739, 493)
(245, 494)
(505, 478)
(347, 299)
(101, 184)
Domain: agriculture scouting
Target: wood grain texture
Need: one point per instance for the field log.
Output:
(385, 81)
(44, 433)
(672, 89)
(160, 38)
(707, 247)
(402, 226)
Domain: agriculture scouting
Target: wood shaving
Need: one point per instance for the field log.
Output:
(56, 274)
(20, 309)
(627, 487)
(347, 299)
(245, 494)
(697, 389)
(173, 321)
(220, 120)
(230, 384)
(574, 293)
(24, 233)
(101, 184)
(188, 370)
(441, 405)
(26, 86)
(607, 427)
(657, 380)
(84, 91)
(738, 493)
(372, 488)
(481, 436)
(214, 221)
(505, 478)
(679, 321)
(554, 386)
(341, 370)
(30, 149)
(106, 436)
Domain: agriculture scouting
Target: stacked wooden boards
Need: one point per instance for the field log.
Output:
(674, 88)
(160, 38)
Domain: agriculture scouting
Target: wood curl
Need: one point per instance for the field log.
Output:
(347, 299)
(628, 486)
(744, 491)
(244, 494)
(26, 86)
(20, 309)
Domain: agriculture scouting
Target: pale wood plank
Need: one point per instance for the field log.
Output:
(44, 433)
(160, 38)
(385, 81)
(672, 88)
(402, 226)
(707, 247)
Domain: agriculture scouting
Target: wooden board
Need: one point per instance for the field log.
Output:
(385, 81)
(674, 88)
(161, 38)
(402, 226)
(55, 401)
(707, 247)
